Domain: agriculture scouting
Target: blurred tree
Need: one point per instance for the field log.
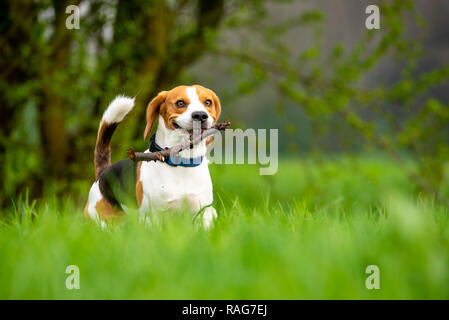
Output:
(53, 72)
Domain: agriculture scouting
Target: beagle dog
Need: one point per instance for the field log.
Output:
(155, 186)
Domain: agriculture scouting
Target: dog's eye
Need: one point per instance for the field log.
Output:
(180, 104)
(208, 102)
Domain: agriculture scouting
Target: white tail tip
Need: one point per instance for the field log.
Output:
(118, 109)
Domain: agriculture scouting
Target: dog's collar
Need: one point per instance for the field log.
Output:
(180, 161)
(154, 147)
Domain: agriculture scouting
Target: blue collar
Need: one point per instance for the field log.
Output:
(174, 162)
(185, 162)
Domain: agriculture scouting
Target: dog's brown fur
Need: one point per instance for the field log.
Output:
(102, 154)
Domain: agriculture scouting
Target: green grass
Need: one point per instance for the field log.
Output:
(308, 232)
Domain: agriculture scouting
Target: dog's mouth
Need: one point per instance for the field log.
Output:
(175, 125)
(189, 131)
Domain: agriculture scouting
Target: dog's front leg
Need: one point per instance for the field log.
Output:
(208, 217)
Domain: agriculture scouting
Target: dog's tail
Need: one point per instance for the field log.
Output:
(114, 114)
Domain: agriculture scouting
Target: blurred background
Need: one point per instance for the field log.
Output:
(309, 68)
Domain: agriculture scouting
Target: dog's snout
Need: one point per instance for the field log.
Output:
(200, 115)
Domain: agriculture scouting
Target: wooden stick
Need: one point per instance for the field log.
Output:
(174, 151)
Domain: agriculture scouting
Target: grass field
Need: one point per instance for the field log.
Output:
(308, 232)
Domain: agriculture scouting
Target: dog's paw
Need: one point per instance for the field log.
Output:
(208, 217)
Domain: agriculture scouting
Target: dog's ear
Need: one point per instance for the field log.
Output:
(217, 105)
(153, 110)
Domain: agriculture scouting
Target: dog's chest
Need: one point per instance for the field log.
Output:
(166, 186)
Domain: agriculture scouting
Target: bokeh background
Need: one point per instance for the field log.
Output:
(309, 68)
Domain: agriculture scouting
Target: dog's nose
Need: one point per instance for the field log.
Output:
(200, 115)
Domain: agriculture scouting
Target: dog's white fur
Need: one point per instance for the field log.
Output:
(170, 138)
(94, 196)
(118, 109)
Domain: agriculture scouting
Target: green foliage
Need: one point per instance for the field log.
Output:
(56, 82)
(309, 233)
(399, 118)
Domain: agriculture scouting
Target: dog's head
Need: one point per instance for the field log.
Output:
(179, 107)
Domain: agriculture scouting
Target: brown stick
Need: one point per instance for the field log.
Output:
(173, 151)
